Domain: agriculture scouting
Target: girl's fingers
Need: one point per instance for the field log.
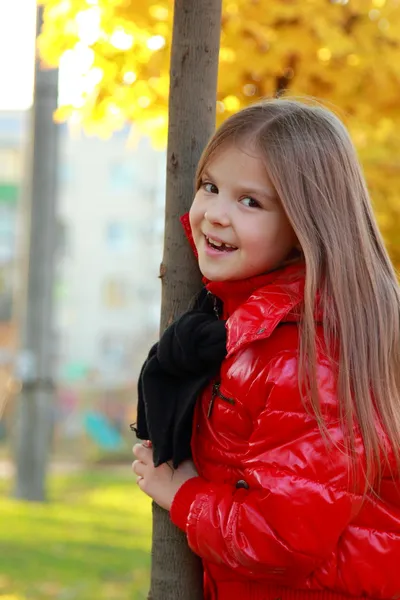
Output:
(138, 468)
(141, 451)
(136, 449)
(144, 458)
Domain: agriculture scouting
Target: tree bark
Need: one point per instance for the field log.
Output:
(35, 405)
(176, 572)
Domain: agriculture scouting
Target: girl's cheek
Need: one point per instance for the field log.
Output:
(191, 219)
(195, 215)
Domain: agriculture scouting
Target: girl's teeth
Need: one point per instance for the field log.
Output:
(220, 244)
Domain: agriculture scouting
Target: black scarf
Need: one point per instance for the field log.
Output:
(187, 357)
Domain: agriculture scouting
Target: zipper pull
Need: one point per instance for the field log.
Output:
(217, 394)
(213, 396)
(220, 395)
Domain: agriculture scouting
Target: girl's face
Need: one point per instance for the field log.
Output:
(238, 224)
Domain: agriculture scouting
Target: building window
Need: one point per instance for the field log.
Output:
(122, 177)
(115, 293)
(10, 165)
(65, 173)
(7, 233)
(9, 193)
(116, 350)
(120, 236)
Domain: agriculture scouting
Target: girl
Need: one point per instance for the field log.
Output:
(293, 489)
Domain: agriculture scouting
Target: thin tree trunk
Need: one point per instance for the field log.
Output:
(35, 406)
(176, 572)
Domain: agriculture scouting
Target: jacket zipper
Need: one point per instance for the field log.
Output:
(216, 393)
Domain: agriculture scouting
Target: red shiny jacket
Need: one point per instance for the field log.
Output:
(274, 513)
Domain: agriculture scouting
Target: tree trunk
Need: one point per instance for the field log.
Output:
(176, 572)
(35, 406)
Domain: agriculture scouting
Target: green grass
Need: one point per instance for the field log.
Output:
(91, 541)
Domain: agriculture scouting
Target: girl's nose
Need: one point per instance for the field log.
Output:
(217, 214)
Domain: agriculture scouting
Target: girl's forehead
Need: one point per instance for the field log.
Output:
(233, 150)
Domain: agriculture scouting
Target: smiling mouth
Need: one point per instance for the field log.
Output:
(220, 246)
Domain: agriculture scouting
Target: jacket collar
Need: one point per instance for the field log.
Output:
(255, 307)
(188, 232)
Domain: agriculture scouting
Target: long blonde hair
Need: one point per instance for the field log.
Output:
(314, 168)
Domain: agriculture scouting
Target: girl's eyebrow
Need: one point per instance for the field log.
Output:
(207, 174)
(262, 193)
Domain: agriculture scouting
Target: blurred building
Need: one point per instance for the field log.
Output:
(110, 221)
(11, 140)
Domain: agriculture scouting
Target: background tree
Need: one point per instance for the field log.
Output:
(35, 404)
(343, 52)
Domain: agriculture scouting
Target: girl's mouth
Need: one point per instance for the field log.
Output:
(219, 246)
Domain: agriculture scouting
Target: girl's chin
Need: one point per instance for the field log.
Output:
(218, 275)
(222, 266)
(211, 275)
(216, 279)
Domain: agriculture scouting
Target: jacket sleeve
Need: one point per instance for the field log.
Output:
(300, 499)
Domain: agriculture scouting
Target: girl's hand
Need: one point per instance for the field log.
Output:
(160, 483)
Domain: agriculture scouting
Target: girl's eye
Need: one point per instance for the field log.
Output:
(210, 187)
(250, 202)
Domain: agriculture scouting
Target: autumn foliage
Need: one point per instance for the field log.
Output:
(345, 52)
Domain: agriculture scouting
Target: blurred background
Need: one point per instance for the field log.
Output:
(82, 183)
(109, 219)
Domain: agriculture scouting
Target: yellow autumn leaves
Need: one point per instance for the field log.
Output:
(345, 52)
(121, 51)
(338, 49)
